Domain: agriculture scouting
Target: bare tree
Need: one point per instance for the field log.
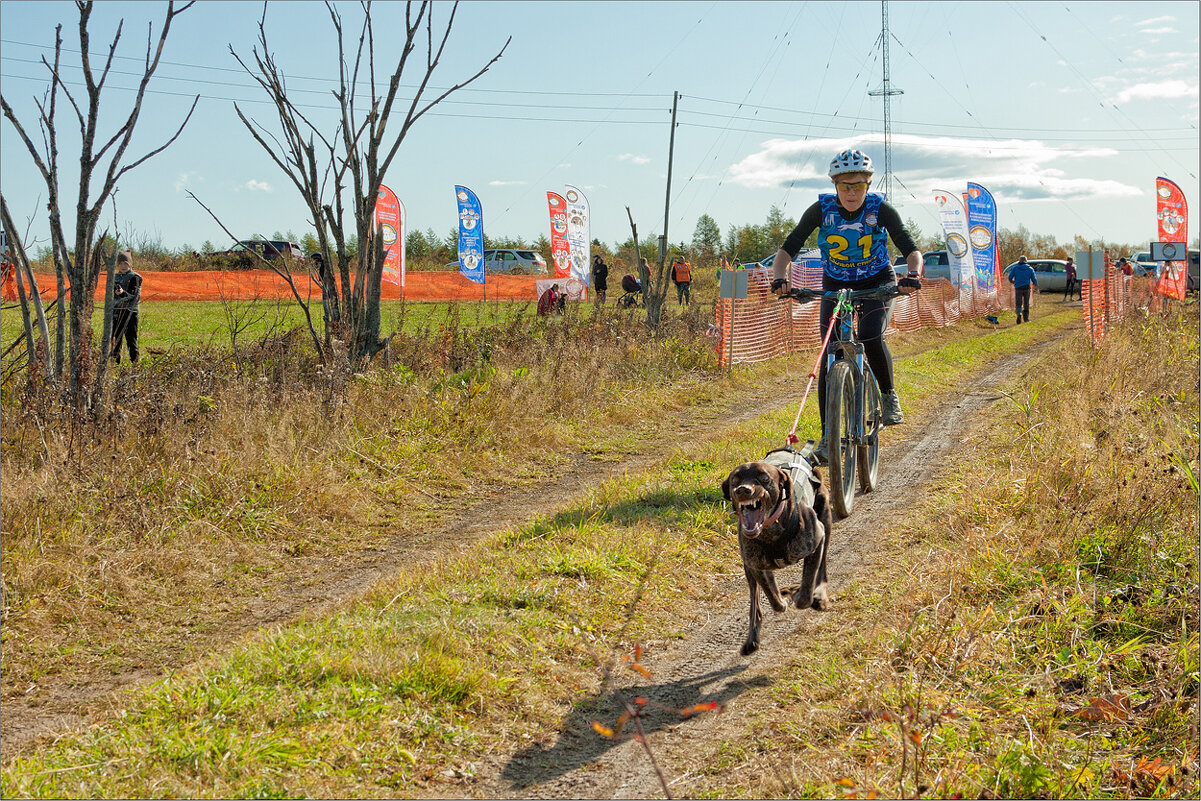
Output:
(653, 292)
(353, 158)
(79, 267)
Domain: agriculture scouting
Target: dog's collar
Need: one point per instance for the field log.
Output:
(775, 514)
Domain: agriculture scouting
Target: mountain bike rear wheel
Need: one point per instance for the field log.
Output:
(873, 421)
(840, 433)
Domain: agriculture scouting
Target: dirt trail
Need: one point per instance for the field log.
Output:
(706, 667)
(60, 704)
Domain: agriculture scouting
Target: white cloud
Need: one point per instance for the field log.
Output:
(1014, 169)
(506, 183)
(1155, 21)
(258, 186)
(1158, 30)
(1160, 90)
(185, 180)
(633, 158)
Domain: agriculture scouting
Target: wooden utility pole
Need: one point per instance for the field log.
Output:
(671, 149)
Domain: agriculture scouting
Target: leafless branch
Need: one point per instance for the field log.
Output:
(286, 275)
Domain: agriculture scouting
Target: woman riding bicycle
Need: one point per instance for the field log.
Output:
(853, 230)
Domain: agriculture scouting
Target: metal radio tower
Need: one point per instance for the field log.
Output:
(887, 92)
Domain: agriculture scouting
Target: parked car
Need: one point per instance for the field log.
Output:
(512, 261)
(935, 264)
(242, 254)
(1051, 274)
(517, 262)
(1143, 263)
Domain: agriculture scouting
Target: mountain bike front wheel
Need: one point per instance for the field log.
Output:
(840, 432)
(873, 421)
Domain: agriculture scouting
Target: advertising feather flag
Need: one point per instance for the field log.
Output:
(579, 237)
(1171, 214)
(471, 235)
(982, 234)
(559, 249)
(389, 221)
(953, 216)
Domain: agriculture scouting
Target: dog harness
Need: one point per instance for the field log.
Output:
(804, 486)
(804, 482)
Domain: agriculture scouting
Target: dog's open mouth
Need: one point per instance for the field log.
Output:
(751, 516)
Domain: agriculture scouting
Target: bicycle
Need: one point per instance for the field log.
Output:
(854, 415)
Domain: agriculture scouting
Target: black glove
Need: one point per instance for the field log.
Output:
(915, 283)
(779, 282)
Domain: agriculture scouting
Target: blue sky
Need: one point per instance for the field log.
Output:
(1066, 111)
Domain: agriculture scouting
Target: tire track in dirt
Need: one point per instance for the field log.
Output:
(61, 704)
(708, 666)
(77, 702)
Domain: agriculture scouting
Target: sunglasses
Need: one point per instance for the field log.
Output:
(857, 186)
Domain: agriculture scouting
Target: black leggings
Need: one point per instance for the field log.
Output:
(873, 317)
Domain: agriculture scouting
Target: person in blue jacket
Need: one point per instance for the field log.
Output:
(1022, 276)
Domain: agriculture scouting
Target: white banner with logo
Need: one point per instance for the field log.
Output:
(579, 236)
(953, 216)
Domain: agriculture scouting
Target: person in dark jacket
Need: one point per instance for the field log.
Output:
(1072, 284)
(1021, 275)
(127, 291)
(600, 277)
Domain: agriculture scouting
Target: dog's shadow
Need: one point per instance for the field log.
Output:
(578, 744)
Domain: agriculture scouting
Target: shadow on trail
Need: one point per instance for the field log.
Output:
(664, 507)
(578, 744)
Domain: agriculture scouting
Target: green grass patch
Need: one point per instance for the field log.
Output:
(1032, 631)
(400, 692)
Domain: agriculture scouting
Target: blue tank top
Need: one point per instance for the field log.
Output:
(852, 249)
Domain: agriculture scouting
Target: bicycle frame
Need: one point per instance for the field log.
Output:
(848, 348)
(852, 438)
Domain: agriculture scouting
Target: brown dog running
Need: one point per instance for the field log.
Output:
(784, 517)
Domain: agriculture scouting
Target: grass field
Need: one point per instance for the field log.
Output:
(167, 325)
(477, 653)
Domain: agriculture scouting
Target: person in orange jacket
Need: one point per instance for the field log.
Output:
(681, 276)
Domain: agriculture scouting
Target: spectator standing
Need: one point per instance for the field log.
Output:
(600, 277)
(1072, 283)
(1022, 276)
(127, 291)
(1125, 266)
(681, 276)
(318, 261)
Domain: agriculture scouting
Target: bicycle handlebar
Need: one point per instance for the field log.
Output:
(885, 292)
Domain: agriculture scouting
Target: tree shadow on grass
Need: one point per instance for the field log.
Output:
(579, 744)
(667, 507)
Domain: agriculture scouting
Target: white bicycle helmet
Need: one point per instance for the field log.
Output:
(851, 161)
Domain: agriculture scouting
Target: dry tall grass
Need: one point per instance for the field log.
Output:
(1032, 632)
(209, 481)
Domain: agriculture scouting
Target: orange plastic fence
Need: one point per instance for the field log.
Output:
(266, 285)
(762, 327)
(1108, 300)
